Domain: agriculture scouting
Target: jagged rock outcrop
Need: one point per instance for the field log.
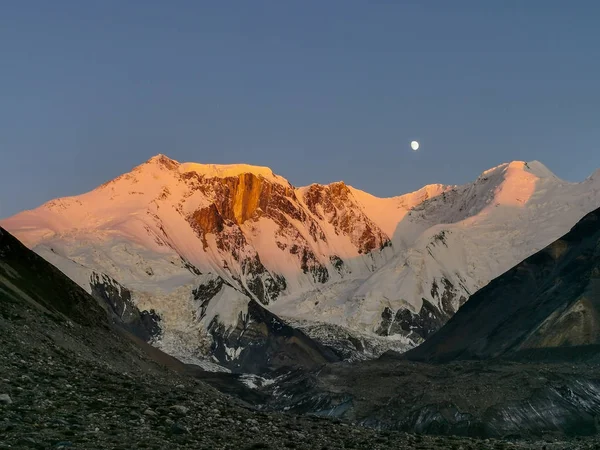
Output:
(334, 204)
(207, 220)
(262, 342)
(119, 305)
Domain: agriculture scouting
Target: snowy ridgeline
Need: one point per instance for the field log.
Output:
(360, 274)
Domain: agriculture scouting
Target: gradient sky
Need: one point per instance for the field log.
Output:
(319, 91)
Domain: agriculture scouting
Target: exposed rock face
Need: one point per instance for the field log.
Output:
(207, 221)
(248, 338)
(550, 300)
(237, 200)
(249, 197)
(334, 204)
(418, 326)
(261, 284)
(262, 342)
(205, 293)
(243, 197)
(415, 326)
(120, 307)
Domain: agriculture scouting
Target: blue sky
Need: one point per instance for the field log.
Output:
(319, 91)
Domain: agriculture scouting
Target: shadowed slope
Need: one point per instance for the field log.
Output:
(26, 276)
(550, 300)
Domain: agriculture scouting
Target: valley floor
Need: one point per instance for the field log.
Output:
(82, 388)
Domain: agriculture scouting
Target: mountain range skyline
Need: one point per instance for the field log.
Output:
(204, 248)
(319, 92)
(268, 168)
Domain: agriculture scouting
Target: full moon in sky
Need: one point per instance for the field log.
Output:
(414, 145)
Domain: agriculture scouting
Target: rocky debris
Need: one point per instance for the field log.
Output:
(5, 399)
(177, 428)
(104, 408)
(149, 412)
(485, 399)
(182, 410)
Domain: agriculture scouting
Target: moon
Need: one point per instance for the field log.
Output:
(414, 145)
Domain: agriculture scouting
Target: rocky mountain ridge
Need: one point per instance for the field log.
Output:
(393, 269)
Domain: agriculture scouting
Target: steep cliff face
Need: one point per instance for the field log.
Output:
(205, 221)
(247, 198)
(237, 199)
(301, 222)
(335, 205)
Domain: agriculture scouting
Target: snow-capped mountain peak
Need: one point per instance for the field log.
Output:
(198, 242)
(214, 170)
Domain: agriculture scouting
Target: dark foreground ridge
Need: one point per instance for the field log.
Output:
(70, 379)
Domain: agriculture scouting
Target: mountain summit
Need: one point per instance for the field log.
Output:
(204, 246)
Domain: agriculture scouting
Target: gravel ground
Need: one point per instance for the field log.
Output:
(89, 388)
